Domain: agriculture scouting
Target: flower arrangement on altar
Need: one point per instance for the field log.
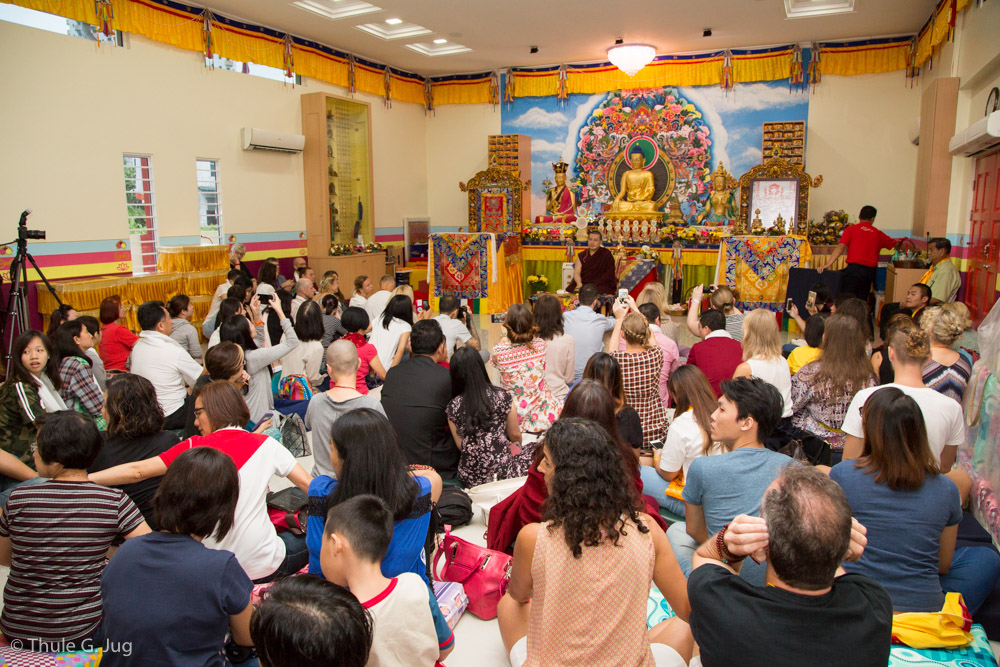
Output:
(537, 281)
(337, 249)
(692, 235)
(829, 230)
(536, 233)
(341, 249)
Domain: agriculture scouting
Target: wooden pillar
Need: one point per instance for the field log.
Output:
(938, 107)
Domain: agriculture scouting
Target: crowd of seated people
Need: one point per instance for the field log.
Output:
(607, 432)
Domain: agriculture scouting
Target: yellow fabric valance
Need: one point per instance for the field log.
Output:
(193, 258)
(184, 27)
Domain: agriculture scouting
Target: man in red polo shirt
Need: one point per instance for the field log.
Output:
(717, 355)
(863, 244)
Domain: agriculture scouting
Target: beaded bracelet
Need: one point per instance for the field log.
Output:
(725, 554)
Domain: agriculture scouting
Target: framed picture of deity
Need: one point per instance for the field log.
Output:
(774, 197)
(495, 200)
(776, 187)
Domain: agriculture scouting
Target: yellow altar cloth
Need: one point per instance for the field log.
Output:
(757, 266)
(193, 258)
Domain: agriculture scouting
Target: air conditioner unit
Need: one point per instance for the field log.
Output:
(978, 137)
(255, 139)
(914, 132)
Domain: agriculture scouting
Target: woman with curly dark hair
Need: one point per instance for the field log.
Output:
(135, 433)
(594, 545)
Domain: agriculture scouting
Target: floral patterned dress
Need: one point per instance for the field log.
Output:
(816, 409)
(522, 373)
(641, 380)
(486, 454)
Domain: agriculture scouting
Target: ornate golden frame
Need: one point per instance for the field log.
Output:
(495, 176)
(778, 167)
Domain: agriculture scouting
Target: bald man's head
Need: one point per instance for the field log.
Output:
(305, 288)
(387, 283)
(342, 360)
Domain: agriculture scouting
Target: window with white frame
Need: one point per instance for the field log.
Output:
(209, 206)
(141, 212)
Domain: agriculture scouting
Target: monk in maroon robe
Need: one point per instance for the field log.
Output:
(596, 266)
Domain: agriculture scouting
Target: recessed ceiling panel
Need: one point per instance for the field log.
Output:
(395, 31)
(336, 9)
(800, 9)
(446, 49)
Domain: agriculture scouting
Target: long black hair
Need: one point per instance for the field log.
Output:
(373, 462)
(20, 373)
(400, 307)
(230, 306)
(592, 496)
(237, 329)
(470, 380)
(64, 343)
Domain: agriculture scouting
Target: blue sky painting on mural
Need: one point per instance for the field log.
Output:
(727, 126)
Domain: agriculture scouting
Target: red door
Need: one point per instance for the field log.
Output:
(984, 230)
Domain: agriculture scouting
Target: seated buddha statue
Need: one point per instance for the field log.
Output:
(636, 192)
(560, 202)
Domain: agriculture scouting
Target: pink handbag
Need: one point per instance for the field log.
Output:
(482, 572)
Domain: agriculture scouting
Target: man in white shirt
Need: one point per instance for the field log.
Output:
(942, 414)
(377, 302)
(587, 329)
(220, 294)
(161, 360)
(304, 291)
(456, 333)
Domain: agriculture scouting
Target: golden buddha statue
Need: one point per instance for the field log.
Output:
(720, 208)
(637, 187)
(757, 225)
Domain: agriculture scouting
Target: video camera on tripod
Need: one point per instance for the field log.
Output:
(23, 233)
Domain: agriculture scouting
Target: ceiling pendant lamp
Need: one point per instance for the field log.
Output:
(630, 58)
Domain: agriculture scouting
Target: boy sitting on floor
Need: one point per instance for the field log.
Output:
(357, 536)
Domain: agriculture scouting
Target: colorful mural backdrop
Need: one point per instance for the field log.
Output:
(692, 130)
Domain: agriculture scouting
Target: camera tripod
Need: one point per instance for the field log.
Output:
(15, 317)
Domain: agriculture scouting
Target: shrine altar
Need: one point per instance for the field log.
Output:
(757, 266)
(477, 267)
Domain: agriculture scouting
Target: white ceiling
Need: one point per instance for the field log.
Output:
(501, 32)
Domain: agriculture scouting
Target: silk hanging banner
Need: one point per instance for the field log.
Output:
(757, 266)
(461, 264)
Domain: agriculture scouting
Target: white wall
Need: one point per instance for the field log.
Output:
(71, 109)
(456, 150)
(857, 140)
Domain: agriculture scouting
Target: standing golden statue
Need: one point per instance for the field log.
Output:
(637, 187)
(720, 208)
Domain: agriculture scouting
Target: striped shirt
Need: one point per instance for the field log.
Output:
(60, 533)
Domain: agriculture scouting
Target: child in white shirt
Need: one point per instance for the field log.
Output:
(355, 540)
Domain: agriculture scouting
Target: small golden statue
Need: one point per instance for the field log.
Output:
(778, 228)
(757, 225)
(674, 217)
(720, 208)
(637, 187)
